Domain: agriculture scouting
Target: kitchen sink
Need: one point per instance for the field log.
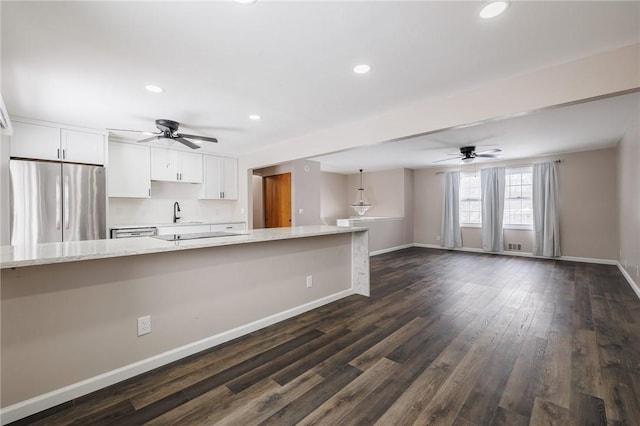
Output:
(195, 236)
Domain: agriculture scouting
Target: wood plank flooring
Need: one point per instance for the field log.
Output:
(446, 338)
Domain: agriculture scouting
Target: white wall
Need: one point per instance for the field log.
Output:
(383, 189)
(588, 205)
(159, 208)
(629, 200)
(4, 191)
(334, 200)
(392, 196)
(305, 190)
(258, 202)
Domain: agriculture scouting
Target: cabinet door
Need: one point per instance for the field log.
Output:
(212, 179)
(190, 167)
(35, 141)
(129, 170)
(230, 179)
(82, 147)
(165, 164)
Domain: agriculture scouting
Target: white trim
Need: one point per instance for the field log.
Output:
(389, 250)
(521, 254)
(632, 283)
(42, 402)
(585, 260)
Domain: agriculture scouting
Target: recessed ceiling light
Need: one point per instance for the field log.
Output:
(362, 68)
(246, 1)
(153, 88)
(255, 117)
(493, 9)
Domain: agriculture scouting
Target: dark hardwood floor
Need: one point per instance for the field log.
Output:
(445, 338)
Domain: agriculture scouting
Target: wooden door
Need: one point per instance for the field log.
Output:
(277, 200)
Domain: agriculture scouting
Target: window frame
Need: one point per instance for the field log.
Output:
(475, 174)
(512, 171)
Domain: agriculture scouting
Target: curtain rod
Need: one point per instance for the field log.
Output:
(513, 166)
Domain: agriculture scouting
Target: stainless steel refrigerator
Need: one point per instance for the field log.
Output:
(52, 202)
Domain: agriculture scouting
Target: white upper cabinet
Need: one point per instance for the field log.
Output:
(190, 167)
(48, 142)
(34, 141)
(129, 170)
(82, 147)
(165, 164)
(220, 180)
(175, 166)
(230, 179)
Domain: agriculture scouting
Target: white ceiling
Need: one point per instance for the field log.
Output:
(86, 63)
(586, 126)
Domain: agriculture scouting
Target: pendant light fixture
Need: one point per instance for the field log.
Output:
(361, 205)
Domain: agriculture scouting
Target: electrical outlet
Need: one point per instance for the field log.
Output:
(309, 281)
(241, 210)
(300, 211)
(144, 325)
(438, 238)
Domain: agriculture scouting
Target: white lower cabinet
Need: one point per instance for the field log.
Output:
(182, 229)
(129, 171)
(228, 227)
(220, 178)
(197, 229)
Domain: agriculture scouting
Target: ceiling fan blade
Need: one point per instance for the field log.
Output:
(202, 138)
(488, 155)
(135, 131)
(489, 151)
(148, 139)
(186, 142)
(447, 159)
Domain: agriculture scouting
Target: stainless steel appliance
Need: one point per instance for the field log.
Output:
(143, 231)
(52, 202)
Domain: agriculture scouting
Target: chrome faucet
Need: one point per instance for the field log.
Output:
(176, 212)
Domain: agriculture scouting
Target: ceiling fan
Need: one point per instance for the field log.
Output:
(168, 129)
(468, 154)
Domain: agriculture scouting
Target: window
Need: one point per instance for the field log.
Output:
(470, 198)
(518, 207)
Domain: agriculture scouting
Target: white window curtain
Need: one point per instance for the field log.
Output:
(492, 188)
(450, 229)
(546, 216)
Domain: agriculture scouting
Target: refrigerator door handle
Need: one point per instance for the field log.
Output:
(58, 201)
(65, 208)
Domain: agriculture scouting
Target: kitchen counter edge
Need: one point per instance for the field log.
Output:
(74, 251)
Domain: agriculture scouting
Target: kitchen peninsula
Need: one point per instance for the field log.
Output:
(69, 310)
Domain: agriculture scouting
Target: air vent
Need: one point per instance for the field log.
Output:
(514, 246)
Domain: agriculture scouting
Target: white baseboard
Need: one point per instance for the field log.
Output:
(632, 283)
(389, 250)
(34, 405)
(521, 254)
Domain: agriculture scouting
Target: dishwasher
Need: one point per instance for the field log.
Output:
(143, 231)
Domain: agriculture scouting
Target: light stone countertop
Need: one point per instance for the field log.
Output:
(73, 251)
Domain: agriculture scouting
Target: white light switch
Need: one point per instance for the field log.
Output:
(301, 211)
